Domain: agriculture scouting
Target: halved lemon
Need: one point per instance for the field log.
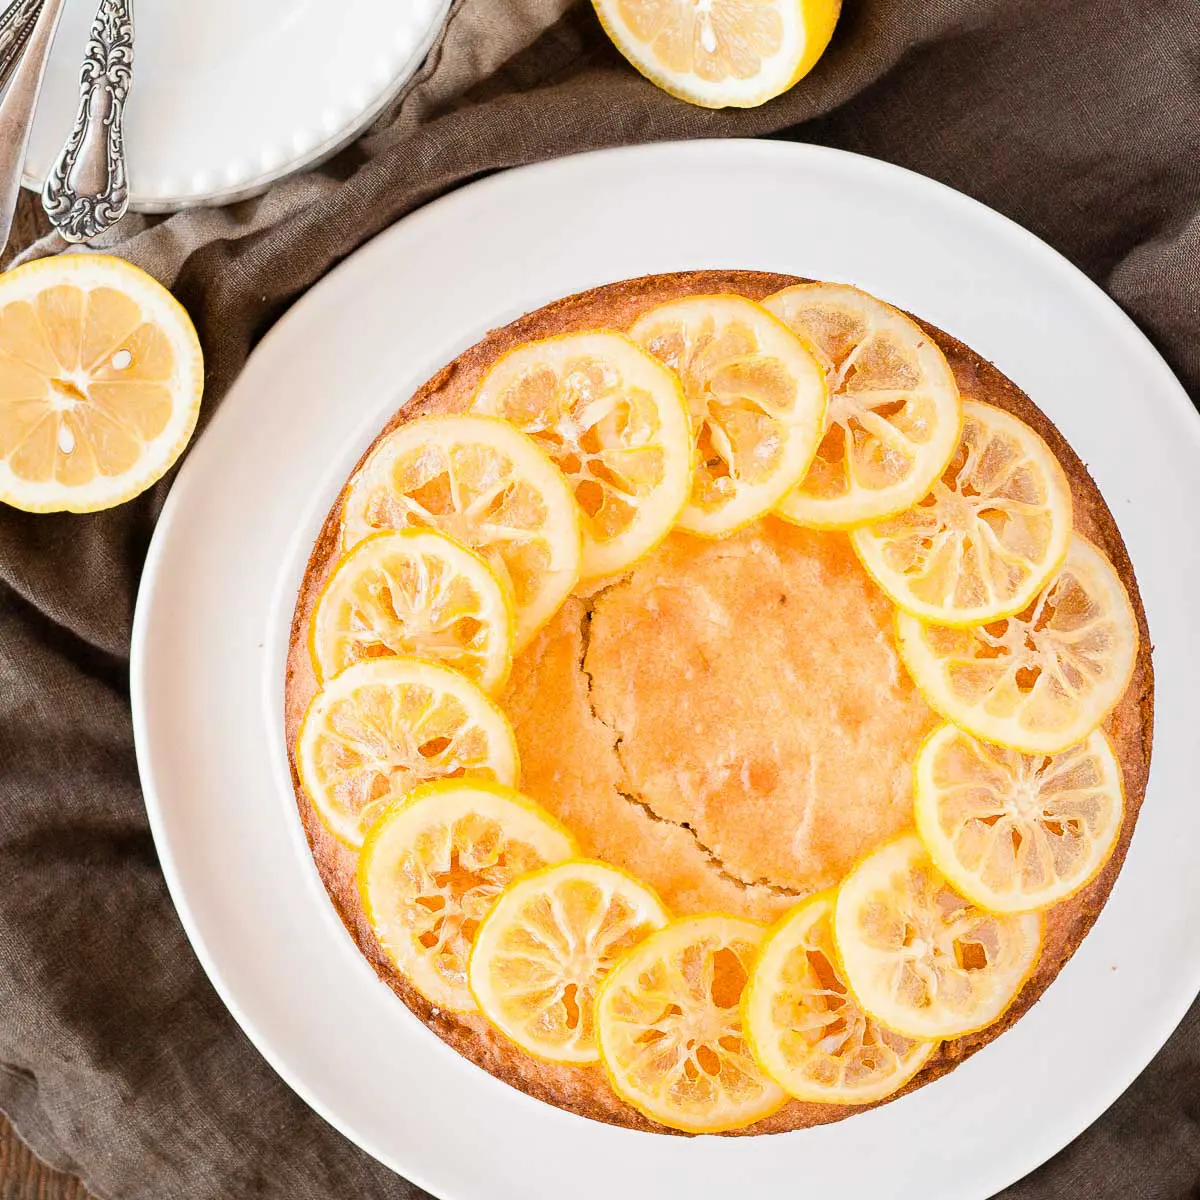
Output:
(547, 944)
(1013, 832)
(669, 1025)
(100, 382)
(991, 532)
(382, 727)
(414, 593)
(614, 421)
(806, 1030)
(1039, 681)
(918, 957)
(433, 865)
(484, 483)
(894, 409)
(757, 400)
(721, 53)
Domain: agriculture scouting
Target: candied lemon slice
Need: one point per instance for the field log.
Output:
(1039, 681)
(432, 866)
(414, 593)
(547, 944)
(721, 53)
(806, 1030)
(615, 422)
(485, 484)
(100, 382)
(757, 400)
(918, 957)
(383, 727)
(992, 530)
(669, 1025)
(894, 409)
(1013, 832)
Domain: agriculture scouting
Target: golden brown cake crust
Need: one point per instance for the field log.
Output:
(692, 880)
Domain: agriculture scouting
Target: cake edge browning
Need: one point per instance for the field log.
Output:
(584, 1090)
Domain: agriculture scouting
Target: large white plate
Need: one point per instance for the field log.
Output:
(211, 627)
(230, 95)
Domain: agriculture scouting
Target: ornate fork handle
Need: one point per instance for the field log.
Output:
(88, 189)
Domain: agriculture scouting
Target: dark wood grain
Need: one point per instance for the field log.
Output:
(23, 1176)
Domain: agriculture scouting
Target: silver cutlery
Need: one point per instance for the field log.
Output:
(87, 190)
(16, 23)
(18, 103)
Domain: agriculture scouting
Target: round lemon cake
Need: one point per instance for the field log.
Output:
(783, 698)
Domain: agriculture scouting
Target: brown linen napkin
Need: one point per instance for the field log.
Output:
(1078, 118)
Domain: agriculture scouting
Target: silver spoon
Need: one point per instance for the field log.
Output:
(87, 190)
(17, 106)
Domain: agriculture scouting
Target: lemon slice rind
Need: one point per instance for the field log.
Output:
(642, 382)
(871, 541)
(389, 676)
(932, 653)
(633, 973)
(539, 888)
(805, 931)
(939, 422)
(90, 273)
(1097, 749)
(722, 390)
(530, 835)
(488, 666)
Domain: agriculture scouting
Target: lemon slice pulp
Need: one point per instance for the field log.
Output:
(894, 408)
(100, 382)
(1013, 832)
(547, 944)
(415, 593)
(757, 401)
(918, 957)
(669, 1025)
(806, 1030)
(485, 484)
(1039, 681)
(991, 532)
(614, 421)
(433, 865)
(721, 53)
(383, 727)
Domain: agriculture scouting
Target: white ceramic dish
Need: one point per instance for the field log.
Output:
(217, 594)
(230, 95)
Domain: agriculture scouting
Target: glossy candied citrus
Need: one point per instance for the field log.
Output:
(101, 376)
(614, 421)
(894, 408)
(383, 727)
(993, 529)
(416, 593)
(484, 483)
(757, 401)
(1041, 680)
(546, 946)
(669, 1024)
(433, 865)
(721, 53)
(806, 1030)
(1015, 832)
(918, 957)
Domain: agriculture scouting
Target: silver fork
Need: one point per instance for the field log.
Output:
(19, 99)
(87, 190)
(16, 24)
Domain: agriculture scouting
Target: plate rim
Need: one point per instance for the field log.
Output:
(151, 204)
(1147, 1045)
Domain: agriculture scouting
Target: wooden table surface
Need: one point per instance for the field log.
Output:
(23, 1176)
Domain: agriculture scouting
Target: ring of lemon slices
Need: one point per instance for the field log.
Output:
(463, 534)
